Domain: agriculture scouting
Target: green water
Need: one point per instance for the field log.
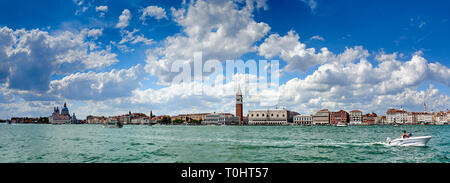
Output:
(93, 143)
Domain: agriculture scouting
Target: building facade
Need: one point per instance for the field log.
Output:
(422, 117)
(355, 117)
(380, 120)
(190, 117)
(369, 118)
(304, 120)
(321, 117)
(339, 117)
(395, 116)
(271, 117)
(440, 118)
(62, 117)
(221, 119)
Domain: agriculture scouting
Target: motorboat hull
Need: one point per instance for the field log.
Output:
(410, 141)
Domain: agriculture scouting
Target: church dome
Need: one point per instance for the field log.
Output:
(65, 110)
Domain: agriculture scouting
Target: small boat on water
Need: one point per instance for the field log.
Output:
(409, 141)
(113, 124)
(395, 125)
(341, 125)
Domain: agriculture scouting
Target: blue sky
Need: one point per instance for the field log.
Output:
(111, 73)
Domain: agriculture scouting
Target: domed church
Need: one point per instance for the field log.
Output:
(62, 117)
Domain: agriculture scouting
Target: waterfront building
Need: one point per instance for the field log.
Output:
(27, 120)
(305, 120)
(339, 117)
(190, 117)
(355, 117)
(140, 121)
(380, 120)
(221, 119)
(271, 117)
(239, 106)
(422, 117)
(62, 117)
(321, 117)
(440, 118)
(369, 118)
(448, 117)
(75, 120)
(95, 119)
(130, 118)
(401, 116)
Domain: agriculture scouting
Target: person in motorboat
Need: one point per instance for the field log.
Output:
(404, 134)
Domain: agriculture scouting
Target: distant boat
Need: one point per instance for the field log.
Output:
(341, 125)
(113, 124)
(396, 125)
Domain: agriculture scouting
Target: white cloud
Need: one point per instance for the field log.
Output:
(153, 11)
(30, 58)
(300, 58)
(311, 3)
(128, 36)
(317, 37)
(218, 29)
(98, 86)
(348, 85)
(82, 6)
(102, 10)
(252, 4)
(93, 33)
(295, 53)
(124, 19)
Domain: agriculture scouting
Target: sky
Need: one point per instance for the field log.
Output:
(108, 57)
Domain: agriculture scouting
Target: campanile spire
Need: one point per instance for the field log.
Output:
(239, 106)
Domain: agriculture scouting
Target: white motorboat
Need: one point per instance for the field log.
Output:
(341, 125)
(409, 141)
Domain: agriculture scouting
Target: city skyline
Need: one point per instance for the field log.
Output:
(110, 57)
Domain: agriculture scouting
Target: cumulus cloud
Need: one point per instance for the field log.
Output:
(102, 9)
(300, 58)
(348, 85)
(153, 11)
(317, 37)
(82, 6)
(124, 19)
(218, 29)
(28, 59)
(98, 86)
(128, 36)
(6, 95)
(291, 50)
(93, 33)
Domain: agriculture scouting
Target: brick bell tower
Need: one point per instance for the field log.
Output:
(239, 108)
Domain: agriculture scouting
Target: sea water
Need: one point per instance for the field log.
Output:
(271, 144)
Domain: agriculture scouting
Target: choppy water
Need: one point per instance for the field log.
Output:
(93, 143)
